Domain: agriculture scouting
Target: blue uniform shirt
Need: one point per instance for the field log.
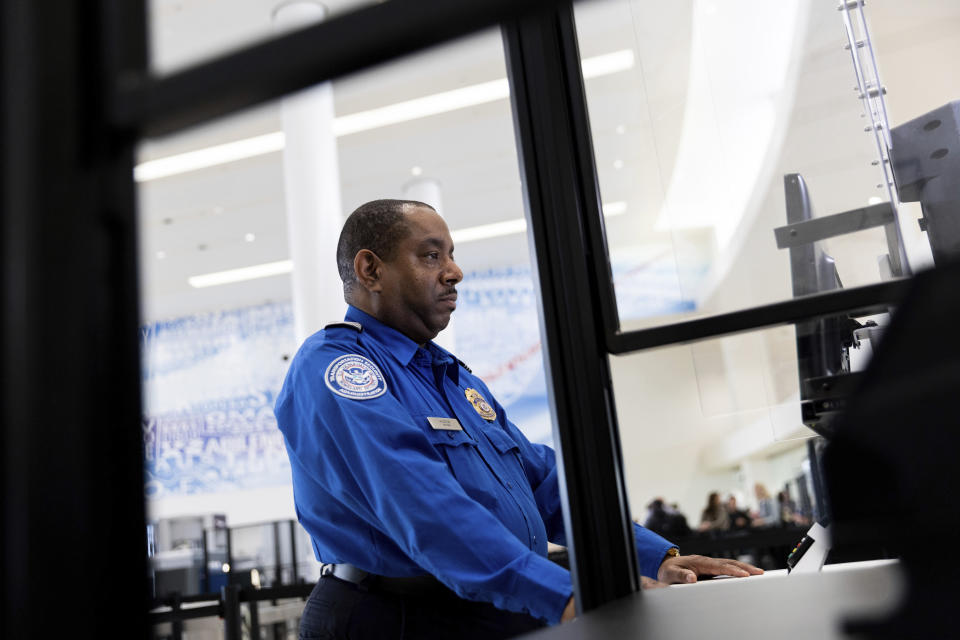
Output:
(379, 483)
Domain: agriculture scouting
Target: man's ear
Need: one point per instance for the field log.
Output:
(367, 266)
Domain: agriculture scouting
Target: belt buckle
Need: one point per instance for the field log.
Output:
(326, 569)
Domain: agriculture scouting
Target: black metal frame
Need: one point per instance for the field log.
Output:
(280, 66)
(563, 210)
(70, 408)
(874, 298)
(77, 98)
(226, 605)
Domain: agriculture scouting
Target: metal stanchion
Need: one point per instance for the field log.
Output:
(254, 607)
(176, 627)
(230, 601)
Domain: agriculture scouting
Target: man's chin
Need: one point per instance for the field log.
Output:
(441, 322)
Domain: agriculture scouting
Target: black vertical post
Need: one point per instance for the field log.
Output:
(70, 446)
(566, 229)
(230, 606)
(230, 556)
(277, 552)
(176, 625)
(295, 578)
(820, 498)
(254, 606)
(207, 587)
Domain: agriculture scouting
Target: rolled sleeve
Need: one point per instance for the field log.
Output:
(651, 550)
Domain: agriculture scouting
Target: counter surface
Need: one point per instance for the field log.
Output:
(810, 606)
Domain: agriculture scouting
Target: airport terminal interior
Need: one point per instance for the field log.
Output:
(746, 154)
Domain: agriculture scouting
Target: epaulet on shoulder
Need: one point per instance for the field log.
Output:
(464, 365)
(356, 326)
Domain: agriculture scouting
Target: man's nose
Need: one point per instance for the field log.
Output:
(453, 274)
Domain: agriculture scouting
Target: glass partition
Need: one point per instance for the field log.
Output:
(223, 244)
(717, 108)
(184, 33)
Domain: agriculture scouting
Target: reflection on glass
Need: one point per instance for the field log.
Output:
(188, 32)
(716, 416)
(724, 100)
(218, 270)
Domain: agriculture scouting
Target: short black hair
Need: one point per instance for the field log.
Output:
(378, 226)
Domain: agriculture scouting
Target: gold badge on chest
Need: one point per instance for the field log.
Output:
(480, 404)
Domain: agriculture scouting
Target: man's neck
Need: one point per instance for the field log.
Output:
(368, 307)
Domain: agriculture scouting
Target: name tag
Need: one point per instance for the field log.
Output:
(445, 424)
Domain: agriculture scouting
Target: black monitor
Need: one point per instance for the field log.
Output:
(822, 344)
(891, 467)
(925, 156)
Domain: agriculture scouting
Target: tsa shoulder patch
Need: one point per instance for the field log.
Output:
(355, 377)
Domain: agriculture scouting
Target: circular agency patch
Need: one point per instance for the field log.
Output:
(353, 376)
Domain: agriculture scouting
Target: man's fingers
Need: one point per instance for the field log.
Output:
(731, 569)
(724, 566)
(737, 569)
(749, 568)
(650, 583)
(677, 574)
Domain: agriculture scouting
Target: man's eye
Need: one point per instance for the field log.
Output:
(433, 255)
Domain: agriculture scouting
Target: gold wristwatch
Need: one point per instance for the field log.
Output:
(672, 552)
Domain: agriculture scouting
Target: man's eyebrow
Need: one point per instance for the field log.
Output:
(433, 242)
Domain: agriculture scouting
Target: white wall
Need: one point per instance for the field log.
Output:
(722, 414)
(241, 507)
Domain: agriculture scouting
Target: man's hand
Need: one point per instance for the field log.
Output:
(650, 583)
(681, 569)
(569, 612)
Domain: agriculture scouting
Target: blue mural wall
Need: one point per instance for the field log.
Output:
(209, 383)
(210, 380)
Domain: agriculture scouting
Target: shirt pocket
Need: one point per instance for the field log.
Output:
(465, 463)
(508, 449)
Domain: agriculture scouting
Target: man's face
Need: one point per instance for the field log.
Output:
(419, 281)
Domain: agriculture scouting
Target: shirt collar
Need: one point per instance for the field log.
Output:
(400, 346)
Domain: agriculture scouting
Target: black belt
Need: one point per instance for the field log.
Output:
(413, 586)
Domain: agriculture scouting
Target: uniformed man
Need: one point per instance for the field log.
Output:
(429, 508)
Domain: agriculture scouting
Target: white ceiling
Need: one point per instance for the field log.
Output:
(198, 221)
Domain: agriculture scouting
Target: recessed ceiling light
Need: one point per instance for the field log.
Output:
(621, 129)
(618, 164)
(216, 210)
(161, 255)
(242, 274)
(874, 200)
(517, 225)
(416, 171)
(468, 234)
(249, 237)
(433, 104)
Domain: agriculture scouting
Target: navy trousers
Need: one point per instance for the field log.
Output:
(339, 610)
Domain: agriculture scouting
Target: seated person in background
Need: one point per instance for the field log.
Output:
(766, 513)
(789, 514)
(739, 519)
(714, 516)
(678, 522)
(665, 520)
